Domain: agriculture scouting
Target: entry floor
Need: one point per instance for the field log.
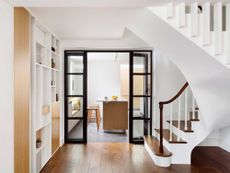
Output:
(98, 136)
(109, 158)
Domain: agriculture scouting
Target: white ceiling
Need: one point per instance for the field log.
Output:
(87, 3)
(86, 19)
(71, 23)
(109, 57)
(95, 3)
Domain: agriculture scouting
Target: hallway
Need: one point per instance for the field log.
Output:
(108, 158)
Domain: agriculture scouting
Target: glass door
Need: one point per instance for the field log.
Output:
(140, 122)
(75, 96)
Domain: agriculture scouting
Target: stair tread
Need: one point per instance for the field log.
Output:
(182, 125)
(166, 136)
(196, 117)
(153, 143)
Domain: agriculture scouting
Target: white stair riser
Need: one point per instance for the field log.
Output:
(159, 161)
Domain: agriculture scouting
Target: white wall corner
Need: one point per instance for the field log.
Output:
(7, 87)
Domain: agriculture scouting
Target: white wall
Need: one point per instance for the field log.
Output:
(224, 139)
(6, 88)
(168, 80)
(219, 138)
(129, 41)
(104, 75)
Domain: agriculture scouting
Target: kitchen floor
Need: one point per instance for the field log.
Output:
(99, 136)
(105, 136)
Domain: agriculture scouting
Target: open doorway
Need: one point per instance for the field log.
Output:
(108, 96)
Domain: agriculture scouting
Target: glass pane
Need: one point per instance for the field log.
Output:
(75, 107)
(75, 83)
(141, 85)
(75, 64)
(141, 62)
(140, 128)
(141, 107)
(75, 129)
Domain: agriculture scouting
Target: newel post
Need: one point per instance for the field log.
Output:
(161, 128)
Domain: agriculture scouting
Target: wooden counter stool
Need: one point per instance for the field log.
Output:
(94, 110)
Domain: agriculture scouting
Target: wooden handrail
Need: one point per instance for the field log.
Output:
(176, 96)
(161, 106)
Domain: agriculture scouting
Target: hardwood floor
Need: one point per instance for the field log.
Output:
(213, 159)
(108, 158)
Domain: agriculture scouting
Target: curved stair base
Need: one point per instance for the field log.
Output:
(160, 159)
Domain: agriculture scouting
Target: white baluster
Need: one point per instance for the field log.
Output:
(182, 21)
(170, 10)
(179, 112)
(193, 107)
(206, 24)
(194, 19)
(171, 119)
(218, 42)
(186, 110)
(227, 59)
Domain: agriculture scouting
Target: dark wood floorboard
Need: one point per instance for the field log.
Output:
(108, 158)
(211, 159)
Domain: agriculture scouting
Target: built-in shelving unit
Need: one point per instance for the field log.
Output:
(45, 79)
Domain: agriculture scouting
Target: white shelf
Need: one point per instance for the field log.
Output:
(48, 67)
(42, 65)
(55, 102)
(43, 93)
(41, 45)
(55, 53)
(40, 148)
(43, 125)
(54, 69)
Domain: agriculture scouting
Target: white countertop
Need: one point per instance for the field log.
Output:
(110, 100)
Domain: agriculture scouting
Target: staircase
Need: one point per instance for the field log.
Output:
(207, 25)
(195, 37)
(176, 136)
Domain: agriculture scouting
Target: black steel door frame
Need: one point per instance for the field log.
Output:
(147, 130)
(131, 96)
(66, 95)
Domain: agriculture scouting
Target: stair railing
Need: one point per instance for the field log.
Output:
(208, 20)
(161, 106)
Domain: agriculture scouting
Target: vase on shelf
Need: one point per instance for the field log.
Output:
(38, 143)
(53, 63)
(57, 98)
(53, 49)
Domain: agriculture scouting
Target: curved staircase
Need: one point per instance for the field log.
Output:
(199, 47)
(207, 25)
(176, 137)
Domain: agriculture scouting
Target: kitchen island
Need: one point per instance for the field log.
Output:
(115, 114)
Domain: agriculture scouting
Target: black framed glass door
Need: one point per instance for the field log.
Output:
(75, 96)
(140, 123)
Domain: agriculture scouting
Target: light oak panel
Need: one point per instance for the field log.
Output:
(21, 90)
(115, 115)
(124, 78)
(55, 109)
